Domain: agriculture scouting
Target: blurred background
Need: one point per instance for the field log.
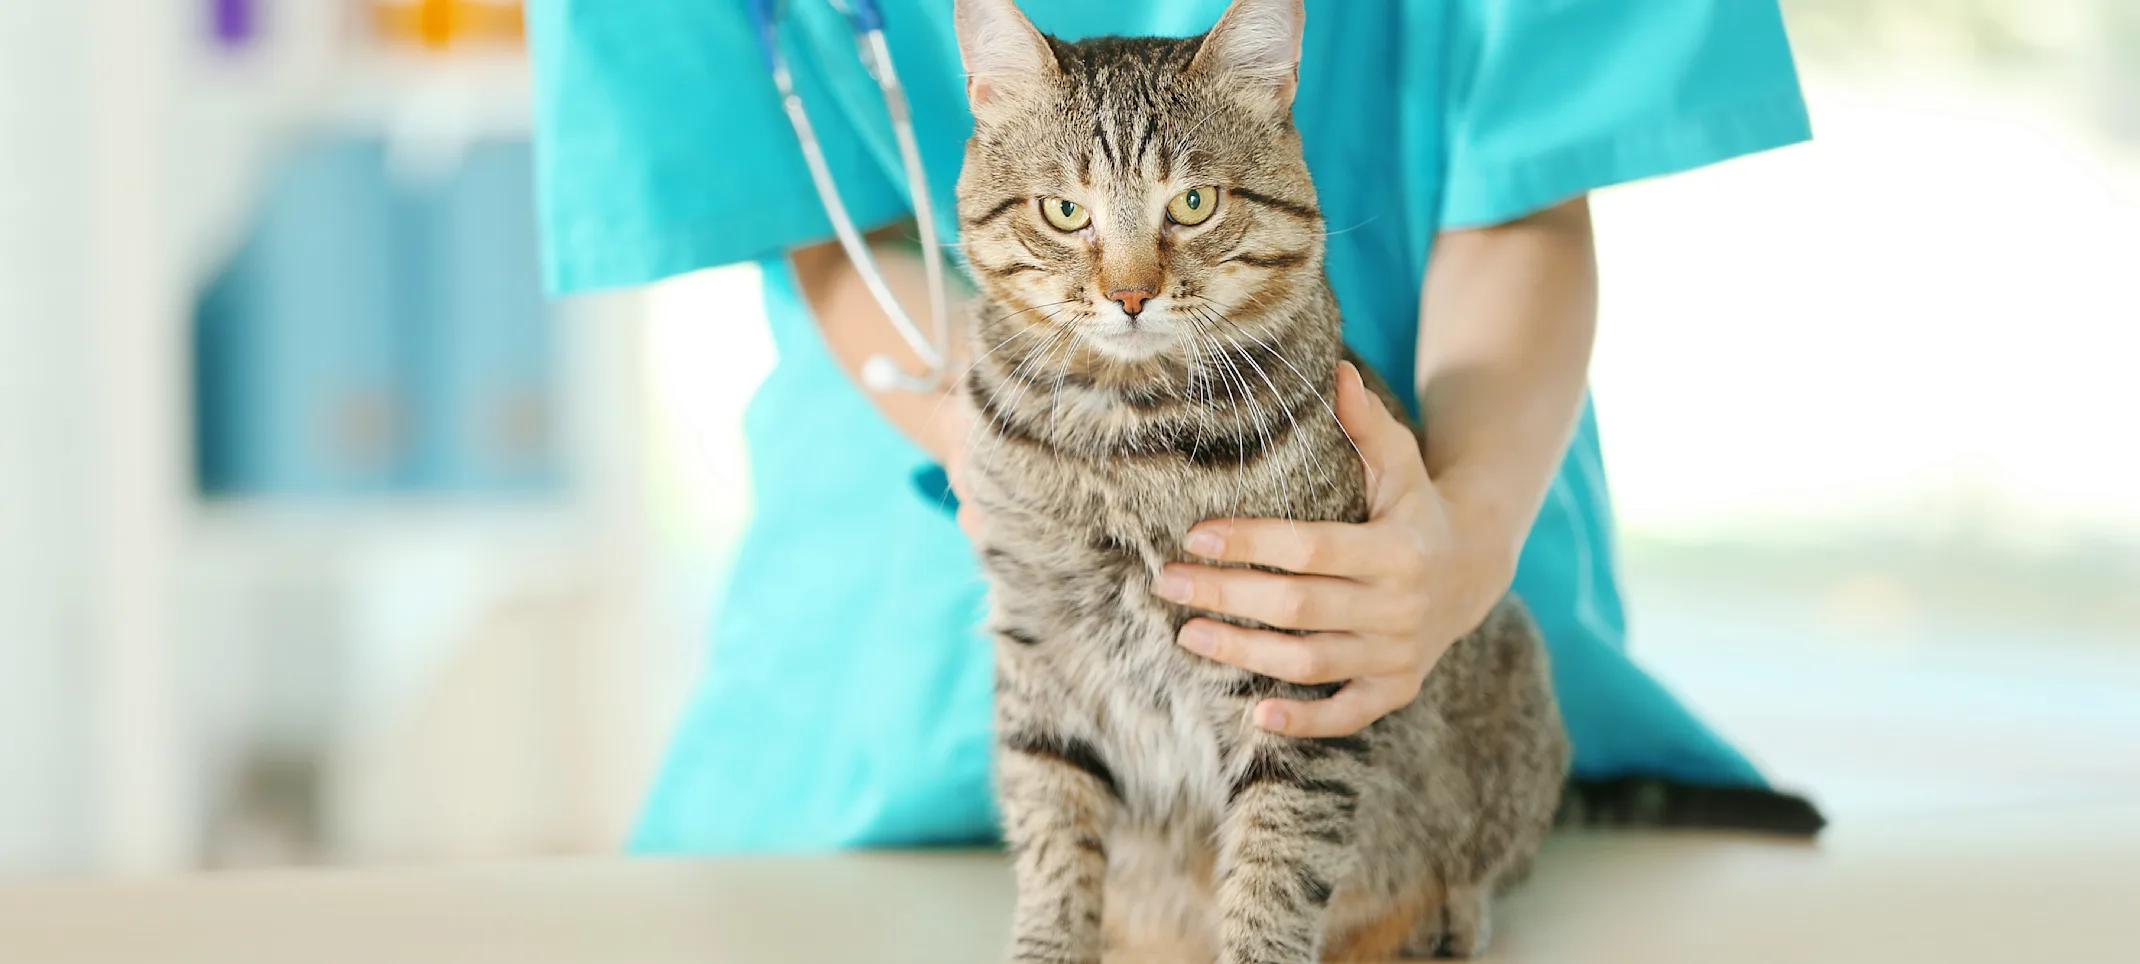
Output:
(325, 539)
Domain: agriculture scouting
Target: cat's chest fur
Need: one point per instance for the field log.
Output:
(1104, 660)
(1074, 545)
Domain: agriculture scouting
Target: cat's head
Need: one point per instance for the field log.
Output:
(1132, 201)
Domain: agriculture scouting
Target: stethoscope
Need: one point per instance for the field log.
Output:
(881, 373)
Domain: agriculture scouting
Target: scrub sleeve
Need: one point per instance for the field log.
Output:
(1552, 99)
(845, 700)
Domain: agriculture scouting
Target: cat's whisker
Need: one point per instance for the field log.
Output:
(1052, 335)
(1203, 415)
(1206, 414)
(1044, 351)
(1261, 427)
(1291, 420)
(1015, 335)
(1068, 343)
(1259, 421)
(995, 392)
(1014, 314)
(953, 384)
(1370, 220)
(1293, 424)
(1316, 391)
(1306, 382)
(1254, 414)
(1002, 410)
(1216, 379)
(1055, 405)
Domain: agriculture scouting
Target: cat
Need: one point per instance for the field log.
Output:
(1156, 345)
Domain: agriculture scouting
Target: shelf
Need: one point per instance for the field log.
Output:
(512, 525)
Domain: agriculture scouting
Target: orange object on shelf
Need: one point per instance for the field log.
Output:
(441, 24)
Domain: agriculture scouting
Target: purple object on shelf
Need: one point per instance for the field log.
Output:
(235, 21)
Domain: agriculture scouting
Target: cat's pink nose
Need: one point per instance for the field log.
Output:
(1131, 299)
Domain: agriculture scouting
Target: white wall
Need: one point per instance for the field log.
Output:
(92, 436)
(45, 346)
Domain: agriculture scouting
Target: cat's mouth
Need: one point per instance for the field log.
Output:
(1133, 339)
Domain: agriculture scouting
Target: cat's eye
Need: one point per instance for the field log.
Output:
(1193, 206)
(1065, 215)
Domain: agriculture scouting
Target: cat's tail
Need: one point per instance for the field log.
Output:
(1655, 802)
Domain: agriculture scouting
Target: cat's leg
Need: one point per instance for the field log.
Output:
(1461, 930)
(1059, 801)
(1286, 843)
(1381, 939)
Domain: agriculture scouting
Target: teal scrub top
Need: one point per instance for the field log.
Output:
(846, 697)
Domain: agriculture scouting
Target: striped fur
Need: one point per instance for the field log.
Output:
(1149, 818)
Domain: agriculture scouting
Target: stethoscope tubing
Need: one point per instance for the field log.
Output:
(881, 373)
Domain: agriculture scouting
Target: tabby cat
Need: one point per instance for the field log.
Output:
(1157, 346)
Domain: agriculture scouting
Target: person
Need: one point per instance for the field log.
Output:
(846, 701)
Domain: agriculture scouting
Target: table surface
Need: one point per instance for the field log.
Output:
(2032, 883)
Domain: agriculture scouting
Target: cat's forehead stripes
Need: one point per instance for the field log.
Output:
(1129, 90)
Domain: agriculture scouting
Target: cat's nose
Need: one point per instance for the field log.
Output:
(1131, 299)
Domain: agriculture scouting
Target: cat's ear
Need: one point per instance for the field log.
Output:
(1001, 49)
(1257, 46)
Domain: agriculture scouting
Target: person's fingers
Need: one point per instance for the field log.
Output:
(1346, 712)
(1310, 548)
(950, 427)
(1320, 658)
(969, 513)
(1274, 599)
(1386, 443)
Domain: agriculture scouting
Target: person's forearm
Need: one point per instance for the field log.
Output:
(1509, 314)
(855, 328)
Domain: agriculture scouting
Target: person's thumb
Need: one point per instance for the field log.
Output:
(1386, 444)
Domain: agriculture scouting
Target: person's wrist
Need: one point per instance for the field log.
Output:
(1487, 536)
(943, 435)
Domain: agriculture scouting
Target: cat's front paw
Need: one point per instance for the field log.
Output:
(1461, 931)
(1032, 951)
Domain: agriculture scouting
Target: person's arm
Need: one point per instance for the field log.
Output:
(856, 329)
(1508, 315)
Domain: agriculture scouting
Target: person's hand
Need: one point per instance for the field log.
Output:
(1383, 599)
(950, 429)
